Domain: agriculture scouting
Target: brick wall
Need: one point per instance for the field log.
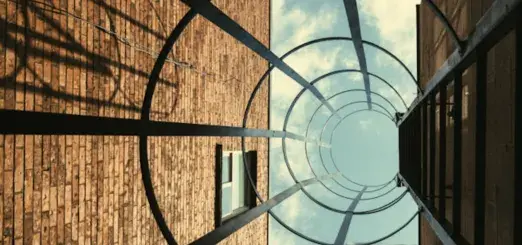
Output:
(89, 57)
(435, 47)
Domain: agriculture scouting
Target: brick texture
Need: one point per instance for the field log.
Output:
(93, 58)
(435, 47)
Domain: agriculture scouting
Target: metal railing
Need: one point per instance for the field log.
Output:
(418, 132)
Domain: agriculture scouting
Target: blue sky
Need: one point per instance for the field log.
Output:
(364, 146)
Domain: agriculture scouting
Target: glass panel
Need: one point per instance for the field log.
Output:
(226, 200)
(241, 181)
(238, 195)
(235, 177)
(225, 169)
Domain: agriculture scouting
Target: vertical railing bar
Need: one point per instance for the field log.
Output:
(217, 188)
(352, 14)
(436, 226)
(457, 152)
(418, 146)
(345, 226)
(442, 153)
(480, 147)
(518, 134)
(433, 105)
(424, 129)
(422, 113)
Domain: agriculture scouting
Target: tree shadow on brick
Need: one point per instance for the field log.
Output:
(24, 48)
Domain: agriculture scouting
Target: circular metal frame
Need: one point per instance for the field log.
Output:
(298, 96)
(145, 116)
(379, 187)
(333, 96)
(330, 142)
(304, 189)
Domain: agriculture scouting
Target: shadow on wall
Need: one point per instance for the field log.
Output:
(39, 37)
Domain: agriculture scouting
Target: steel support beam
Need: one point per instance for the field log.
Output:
(518, 135)
(480, 148)
(457, 153)
(345, 226)
(355, 30)
(431, 185)
(424, 161)
(447, 25)
(492, 27)
(42, 123)
(437, 228)
(231, 226)
(442, 152)
(206, 9)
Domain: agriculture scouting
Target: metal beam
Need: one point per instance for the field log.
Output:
(355, 29)
(447, 25)
(518, 135)
(42, 123)
(442, 152)
(431, 185)
(345, 226)
(206, 9)
(480, 148)
(457, 153)
(424, 161)
(222, 232)
(437, 228)
(492, 27)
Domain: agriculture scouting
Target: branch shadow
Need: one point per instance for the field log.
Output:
(23, 48)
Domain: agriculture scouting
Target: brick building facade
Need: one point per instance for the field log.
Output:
(93, 58)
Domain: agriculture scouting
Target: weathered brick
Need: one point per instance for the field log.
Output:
(88, 189)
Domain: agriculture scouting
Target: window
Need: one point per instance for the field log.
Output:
(233, 192)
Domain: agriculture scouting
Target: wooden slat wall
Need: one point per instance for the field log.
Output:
(93, 58)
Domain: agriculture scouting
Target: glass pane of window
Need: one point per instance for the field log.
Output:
(241, 181)
(225, 169)
(238, 194)
(226, 200)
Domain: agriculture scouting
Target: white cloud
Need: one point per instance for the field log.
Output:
(395, 21)
(295, 26)
(365, 124)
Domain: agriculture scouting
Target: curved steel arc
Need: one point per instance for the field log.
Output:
(320, 78)
(349, 71)
(145, 115)
(269, 70)
(345, 187)
(285, 156)
(447, 25)
(306, 151)
(290, 109)
(379, 187)
(299, 234)
(322, 162)
(308, 129)
(292, 174)
(386, 206)
(400, 228)
(333, 161)
(330, 151)
(294, 231)
(147, 102)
